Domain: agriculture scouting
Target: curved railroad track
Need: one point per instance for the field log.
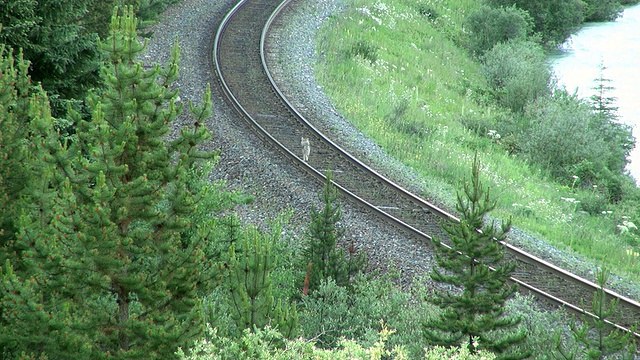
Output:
(244, 77)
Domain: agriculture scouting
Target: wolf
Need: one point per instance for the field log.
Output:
(306, 148)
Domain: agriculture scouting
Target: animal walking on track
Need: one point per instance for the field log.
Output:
(306, 148)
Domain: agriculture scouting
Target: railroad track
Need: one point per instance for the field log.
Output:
(242, 71)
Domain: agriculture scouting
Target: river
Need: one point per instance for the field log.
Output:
(616, 45)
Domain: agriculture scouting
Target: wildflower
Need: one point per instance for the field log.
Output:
(365, 11)
(626, 226)
(380, 7)
(475, 343)
(623, 229)
(575, 179)
(491, 133)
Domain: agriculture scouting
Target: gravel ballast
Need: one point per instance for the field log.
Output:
(249, 165)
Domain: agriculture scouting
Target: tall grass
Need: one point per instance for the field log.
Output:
(398, 70)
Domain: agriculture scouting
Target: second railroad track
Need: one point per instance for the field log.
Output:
(243, 74)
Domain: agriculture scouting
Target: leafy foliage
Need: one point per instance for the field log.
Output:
(602, 10)
(472, 263)
(333, 312)
(565, 136)
(561, 136)
(517, 73)
(489, 26)
(260, 345)
(554, 20)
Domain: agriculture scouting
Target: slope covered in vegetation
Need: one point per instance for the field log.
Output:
(435, 81)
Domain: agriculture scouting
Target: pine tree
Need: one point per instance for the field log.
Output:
(326, 260)
(596, 338)
(117, 262)
(17, 102)
(29, 146)
(472, 264)
(250, 288)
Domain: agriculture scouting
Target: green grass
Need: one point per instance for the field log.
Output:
(397, 70)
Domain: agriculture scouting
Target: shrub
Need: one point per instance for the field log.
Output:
(490, 26)
(554, 20)
(536, 322)
(261, 344)
(593, 203)
(333, 312)
(560, 138)
(602, 10)
(517, 73)
(565, 136)
(427, 11)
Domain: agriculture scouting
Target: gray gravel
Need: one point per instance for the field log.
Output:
(247, 164)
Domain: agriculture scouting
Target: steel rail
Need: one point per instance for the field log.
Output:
(320, 176)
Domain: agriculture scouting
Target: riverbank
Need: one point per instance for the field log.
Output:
(614, 46)
(415, 98)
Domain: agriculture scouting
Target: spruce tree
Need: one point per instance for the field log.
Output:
(602, 103)
(473, 313)
(114, 263)
(596, 338)
(323, 258)
(249, 283)
(606, 119)
(64, 57)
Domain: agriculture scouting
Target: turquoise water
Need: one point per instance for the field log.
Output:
(617, 46)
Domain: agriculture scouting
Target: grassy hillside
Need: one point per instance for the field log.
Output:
(399, 71)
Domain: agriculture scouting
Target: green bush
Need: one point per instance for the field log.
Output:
(427, 11)
(536, 323)
(489, 26)
(333, 312)
(593, 203)
(554, 20)
(261, 344)
(517, 73)
(602, 10)
(566, 137)
(560, 138)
